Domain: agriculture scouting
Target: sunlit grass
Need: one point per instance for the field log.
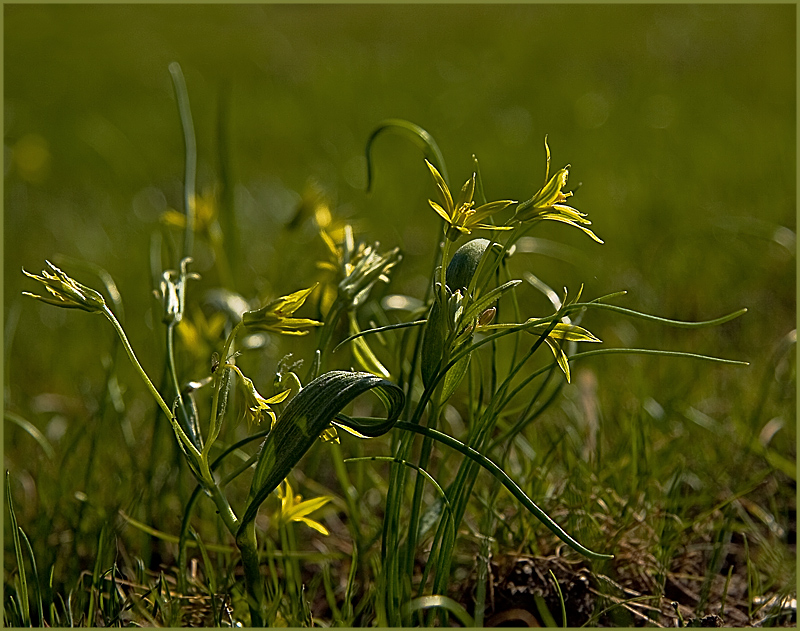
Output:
(628, 446)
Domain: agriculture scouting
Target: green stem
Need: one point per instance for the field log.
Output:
(198, 463)
(325, 335)
(256, 597)
(156, 395)
(189, 423)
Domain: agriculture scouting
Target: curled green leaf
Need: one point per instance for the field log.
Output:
(413, 132)
(306, 417)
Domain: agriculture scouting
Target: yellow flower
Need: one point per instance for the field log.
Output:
(275, 316)
(66, 292)
(548, 202)
(563, 331)
(294, 509)
(258, 408)
(462, 217)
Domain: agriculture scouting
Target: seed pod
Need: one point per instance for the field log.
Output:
(465, 261)
(459, 273)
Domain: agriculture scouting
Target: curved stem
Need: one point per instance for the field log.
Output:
(197, 462)
(156, 395)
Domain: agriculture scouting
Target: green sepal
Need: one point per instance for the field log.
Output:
(484, 302)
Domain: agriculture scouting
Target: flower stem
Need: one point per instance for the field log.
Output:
(248, 546)
(156, 395)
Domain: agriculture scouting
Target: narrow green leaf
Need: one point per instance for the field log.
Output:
(646, 316)
(439, 602)
(37, 584)
(379, 329)
(454, 376)
(487, 300)
(22, 592)
(208, 569)
(506, 481)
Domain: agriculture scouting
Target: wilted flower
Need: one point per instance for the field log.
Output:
(548, 202)
(66, 292)
(172, 291)
(276, 316)
(462, 217)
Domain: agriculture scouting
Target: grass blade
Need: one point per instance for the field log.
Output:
(22, 592)
(439, 602)
(33, 431)
(39, 605)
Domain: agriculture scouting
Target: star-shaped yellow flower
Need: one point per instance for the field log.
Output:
(293, 508)
(462, 217)
(548, 202)
(276, 316)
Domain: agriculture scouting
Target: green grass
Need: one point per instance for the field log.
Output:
(684, 470)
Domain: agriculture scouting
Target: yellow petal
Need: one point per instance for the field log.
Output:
(467, 192)
(444, 191)
(440, 211)
(279, 398)
(561, 357)
(315, 525)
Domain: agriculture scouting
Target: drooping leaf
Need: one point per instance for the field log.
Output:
(413, 132)
(306, 417)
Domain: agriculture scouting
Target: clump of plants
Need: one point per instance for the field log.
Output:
(467, 339)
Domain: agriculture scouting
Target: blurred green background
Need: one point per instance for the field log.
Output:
(678, 122)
